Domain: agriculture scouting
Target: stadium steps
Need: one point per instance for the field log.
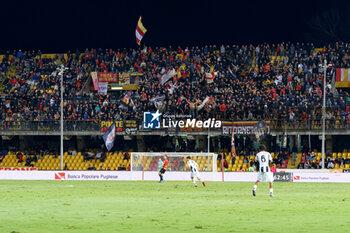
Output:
(292, 165)
(116, 160)
(49, 162)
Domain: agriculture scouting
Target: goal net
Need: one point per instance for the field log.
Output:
(149, 161)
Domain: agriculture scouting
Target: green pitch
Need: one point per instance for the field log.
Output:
(97, 206)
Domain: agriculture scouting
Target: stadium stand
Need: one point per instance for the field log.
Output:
(277, 82)
(271, 82)
(121, 161)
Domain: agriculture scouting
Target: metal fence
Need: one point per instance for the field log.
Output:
(49, 126)
(77, 126)
(308, 124)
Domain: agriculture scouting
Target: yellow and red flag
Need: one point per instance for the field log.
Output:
(140, 31)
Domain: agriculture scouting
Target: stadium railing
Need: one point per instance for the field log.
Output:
(49, 126)
(278, 125)
(309, 124)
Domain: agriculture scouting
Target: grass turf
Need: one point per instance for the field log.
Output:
(98, 206)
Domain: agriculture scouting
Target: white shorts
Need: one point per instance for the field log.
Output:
(265, 176)
(194, 173)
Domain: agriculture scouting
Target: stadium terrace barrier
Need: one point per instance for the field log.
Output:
(49, 126)
(153, 176)
(101, 126)
(340, 124)
(303, 170)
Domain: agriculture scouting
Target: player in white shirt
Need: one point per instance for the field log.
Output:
(264, 158)
(194, 171)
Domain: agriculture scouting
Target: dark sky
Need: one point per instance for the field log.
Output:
(56, 26)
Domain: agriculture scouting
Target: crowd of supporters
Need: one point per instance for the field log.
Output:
(268, 81)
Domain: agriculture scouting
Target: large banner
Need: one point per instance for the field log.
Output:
(244, 128)
(130, 127)
(135, 77)
(124, 79)
(48, 56)
(342, 77)
(321, 177)
(94, 78)
(260, 130)
(65, 175)
(108, 77)
(102, 88)
(106, 124)
(137, 175)
(18, 169)
(127, 126)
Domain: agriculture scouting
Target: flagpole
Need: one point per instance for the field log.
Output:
(324, 113)
(222, 167)
(60, 73)
(208, 140)
(233, 149)
(143, 167)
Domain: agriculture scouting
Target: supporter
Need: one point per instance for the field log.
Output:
(295, 152)
(312, 156)
(126, 156)
(330, 165)
(301, 166)
(19, 157)
(245, 160)
(308, 156)
(250, 83)
(280, 87)
(280, 158)
(86, 156)
(233, 160)
(103, 156)
(98, 155)
(225, 164)
(307, 164)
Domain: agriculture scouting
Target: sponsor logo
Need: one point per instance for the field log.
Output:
(86, 176)
(311, 177)
(60, 176)
(191, 123)
(151, 120)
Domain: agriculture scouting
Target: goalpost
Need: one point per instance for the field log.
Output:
(146, 163)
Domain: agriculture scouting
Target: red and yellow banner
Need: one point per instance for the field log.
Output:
(18, 169)
(108, 77)
(342, 77)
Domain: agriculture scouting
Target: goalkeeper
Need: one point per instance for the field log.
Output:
(163, 169)
(160, 164)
